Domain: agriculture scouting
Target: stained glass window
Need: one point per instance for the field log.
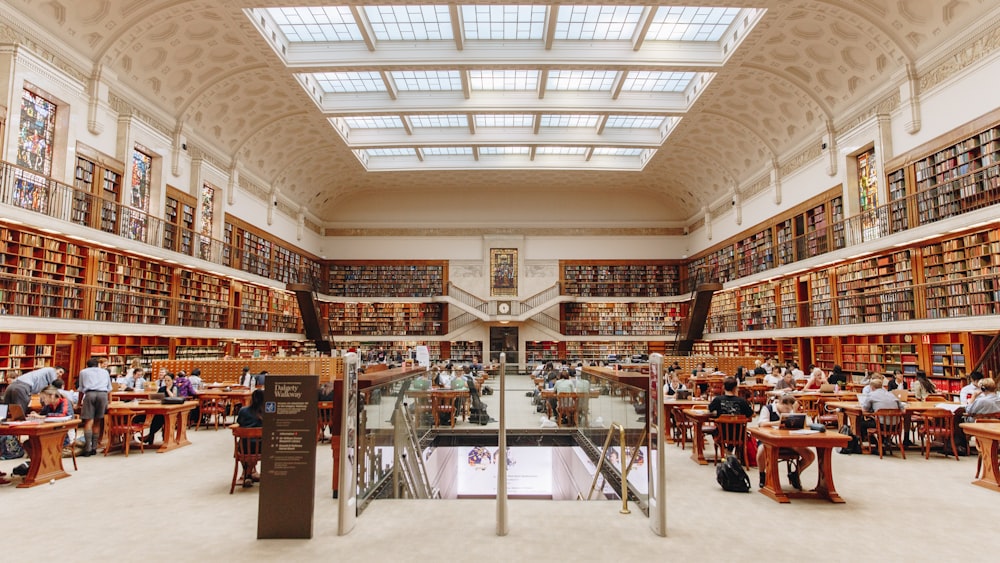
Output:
(34, 152)
(134, 223)
(868, 194)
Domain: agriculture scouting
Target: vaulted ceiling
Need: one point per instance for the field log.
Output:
(781, 74)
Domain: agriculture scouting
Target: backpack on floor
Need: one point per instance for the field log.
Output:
(731, 476)
(854, 446)
(10, 448)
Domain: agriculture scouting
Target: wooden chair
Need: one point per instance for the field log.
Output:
(683, 427)
(826, 415)
(443, 403)
(121, 428)
(935, 398)
(715, 387)
(324, 419)
(889, 428)
(809, 404)
(209, 406)
(992, 417)
(731, 433)
(567, 408)
(246, 452)
(937, 425)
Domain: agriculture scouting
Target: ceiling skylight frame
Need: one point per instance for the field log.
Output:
(504, 22)
(316, 24)
(504, 120)
(349, 82)
(369, 122)
(690, 23)
(658, 81)
(427, 80)
(597, 23)
(503, 80)
(409, 22)
(568, 120)
(438, 121)
(581, 80)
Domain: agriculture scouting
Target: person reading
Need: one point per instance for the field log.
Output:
(770, 417)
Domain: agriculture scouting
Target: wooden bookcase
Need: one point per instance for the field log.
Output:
(132, 289)
(876, 289)
(256, 303)
(390, 319)
(203, 300)
(586, 351)
(388, 278)
(462, 350)
(98, 182)
(620, 319)
(21, 353)
(960, 274)
(636, 278)
(820, 302)
(788, 302)
(41, 276)
(754, 254)
(758, 307)
(284, 312)
(723, 316)
(179, 217)
(544, 351)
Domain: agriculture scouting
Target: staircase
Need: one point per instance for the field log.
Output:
(316, 330)
(693, 326)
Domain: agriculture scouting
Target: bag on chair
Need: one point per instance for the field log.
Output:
(731, 476)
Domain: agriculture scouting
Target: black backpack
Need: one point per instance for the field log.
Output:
(731, 476)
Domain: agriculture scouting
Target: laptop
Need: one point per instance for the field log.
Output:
(157, 396)
(828, 388)
(793, 421)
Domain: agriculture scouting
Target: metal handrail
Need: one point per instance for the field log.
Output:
(465, 297)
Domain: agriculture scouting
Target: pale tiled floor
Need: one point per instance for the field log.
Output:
(176, 507)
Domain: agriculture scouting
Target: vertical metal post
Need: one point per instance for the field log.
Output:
(657, 440)
(502, 524)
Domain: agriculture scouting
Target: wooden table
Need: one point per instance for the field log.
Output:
(129, 395)
(698, 417)
(669, 406)
(987, 440)
(773, 439)
(44, 447)
(442, 396)
(175, 417)
(240, 396)
(852, 410)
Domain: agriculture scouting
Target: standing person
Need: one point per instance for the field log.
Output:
(94, 387)
(19, 392)
(246, 380)
(252, 416)
(259, 380)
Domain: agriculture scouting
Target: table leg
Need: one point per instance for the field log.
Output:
(824, 483)
(772, 482)
(45, 451)
(991, 465)
(181, 438)
(698, 445)
(668, 429)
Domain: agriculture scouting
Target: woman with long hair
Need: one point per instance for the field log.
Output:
(922, 386)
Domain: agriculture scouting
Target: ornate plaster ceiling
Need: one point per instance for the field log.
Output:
(804, 68)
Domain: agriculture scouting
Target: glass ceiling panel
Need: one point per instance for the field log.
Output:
(617, 151)
(645, 81)
(446, 151)
(391, 152)
(559, 120)
(505, 120)
(679, 23)
(592, 80)
(374, 122)
(427, 80)
(484, 21)
(561, 150)
(439, 121)
(634, 121)
(503, 150)
(597, 22)
(334, 23)
(336, 82)
(503, 79)
(410, 22)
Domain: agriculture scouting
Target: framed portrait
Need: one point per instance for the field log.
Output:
(503, 271)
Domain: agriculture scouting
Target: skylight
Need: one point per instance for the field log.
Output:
(589, 23)
(439, 121)
(634, 121)
(592, 80)
(409, 22)
(569, 120)
(679, 23)
(391, 152)
(503, 150)
(374, 122)
(333, 23)
(446, 151)
(505, 120)
(617, 151)
(503, 79)
(566, 151)
(490, 21)
(427, 80)
(645, 81)
(340, 82)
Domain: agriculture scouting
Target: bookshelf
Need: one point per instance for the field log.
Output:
(723, 315)
(813, 226)
(203, 300)
(837, 229)
(825, 352)
(586, 351)
(389, 351)
(178, 218)
(619, 279)
(620, 319)
(899, 212)
(959, 178)
(284, 312)
(390, 319)
(542, 351)
(757, 307)
(41, 276)
(387, 278)
(960, 275)
(256, 303)
(21, 353)
(820, 304)
(947, 358)
(462, 350)
(97, 179)
(256, 253)
(789, 302)
(785, 237)
(132, 290)
(754, 254)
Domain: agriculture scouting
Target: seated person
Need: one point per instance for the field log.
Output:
(969, 392)
(252, 416)
(54, 405)
(786, 383)
(168, 389)
(985, 400)
(730, 402)
(562, 385)
(878, 399)
(183, 384)
(837, 376)
(72, 396)
(922, 387)
(195, 379)
(770, 416)
(136, 381)
(259, 379)
(421, 383)
(326, 389)
(816, 379)
(897, 381)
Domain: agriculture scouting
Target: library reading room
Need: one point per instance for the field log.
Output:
(647, 275)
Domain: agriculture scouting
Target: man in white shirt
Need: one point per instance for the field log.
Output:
(969, 392)
(797, 372)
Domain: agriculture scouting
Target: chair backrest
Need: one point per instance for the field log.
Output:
(935, 398)
(937, 421)
(325, 412)
(810, 405)
(246, 443)
(568, 400)
(119, 420)
(732, 429)
(991, 417)
(889, 421)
